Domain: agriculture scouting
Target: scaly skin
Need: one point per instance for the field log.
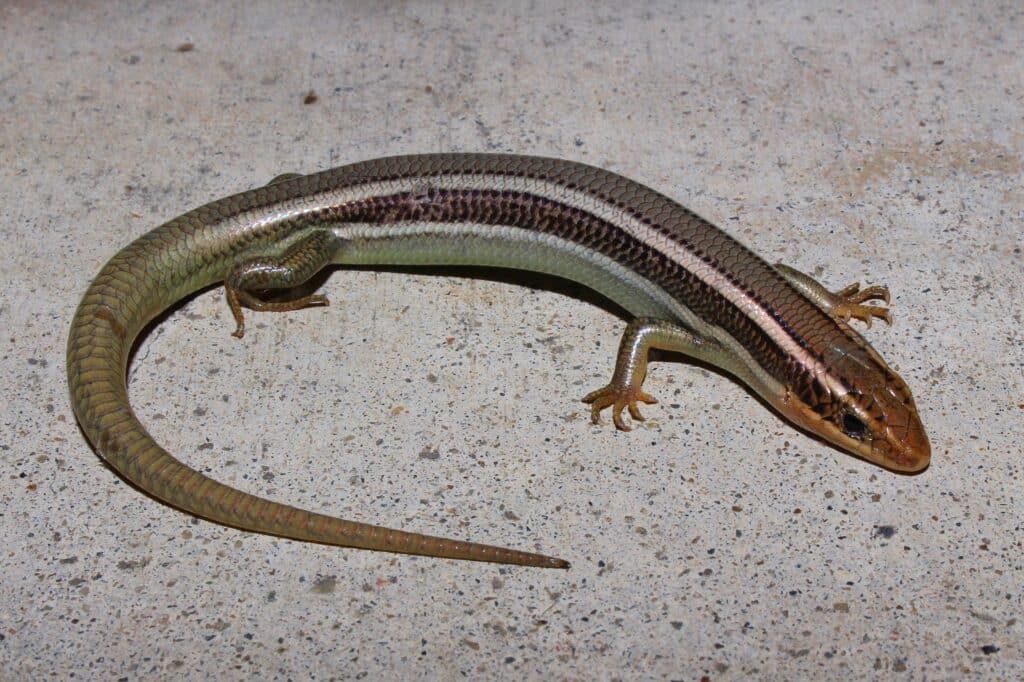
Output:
(691, 287)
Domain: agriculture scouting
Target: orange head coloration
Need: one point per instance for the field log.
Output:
(860, 405)
(884, 428)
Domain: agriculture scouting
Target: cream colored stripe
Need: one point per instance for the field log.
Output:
(713, 278)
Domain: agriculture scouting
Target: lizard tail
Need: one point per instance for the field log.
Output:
(102, 333)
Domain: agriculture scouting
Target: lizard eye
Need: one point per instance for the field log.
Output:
(853, 427)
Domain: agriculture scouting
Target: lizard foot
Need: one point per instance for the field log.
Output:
(619, 398)
(849, 303)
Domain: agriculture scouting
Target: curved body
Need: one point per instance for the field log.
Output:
(691, 287)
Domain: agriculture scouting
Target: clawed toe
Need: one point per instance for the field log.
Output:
(875, 292)
(865, 313)
(618, 399)
(849, 304)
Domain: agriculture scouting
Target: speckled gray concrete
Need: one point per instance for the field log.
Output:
(882, 146)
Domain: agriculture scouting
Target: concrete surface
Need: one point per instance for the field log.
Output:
(880, 145)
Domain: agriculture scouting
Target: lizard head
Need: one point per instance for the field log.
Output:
(860, 405)
(883, 427)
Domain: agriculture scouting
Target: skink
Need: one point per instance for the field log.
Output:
(689, 287)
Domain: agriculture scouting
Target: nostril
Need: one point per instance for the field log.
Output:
(913, 453)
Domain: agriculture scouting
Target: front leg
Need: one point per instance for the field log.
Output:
(641, 335)
(295, 265)
(843, 304)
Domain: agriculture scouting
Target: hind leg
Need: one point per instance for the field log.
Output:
(292, 267)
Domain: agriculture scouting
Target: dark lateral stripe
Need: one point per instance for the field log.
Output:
(544, 215)
(710, 272)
